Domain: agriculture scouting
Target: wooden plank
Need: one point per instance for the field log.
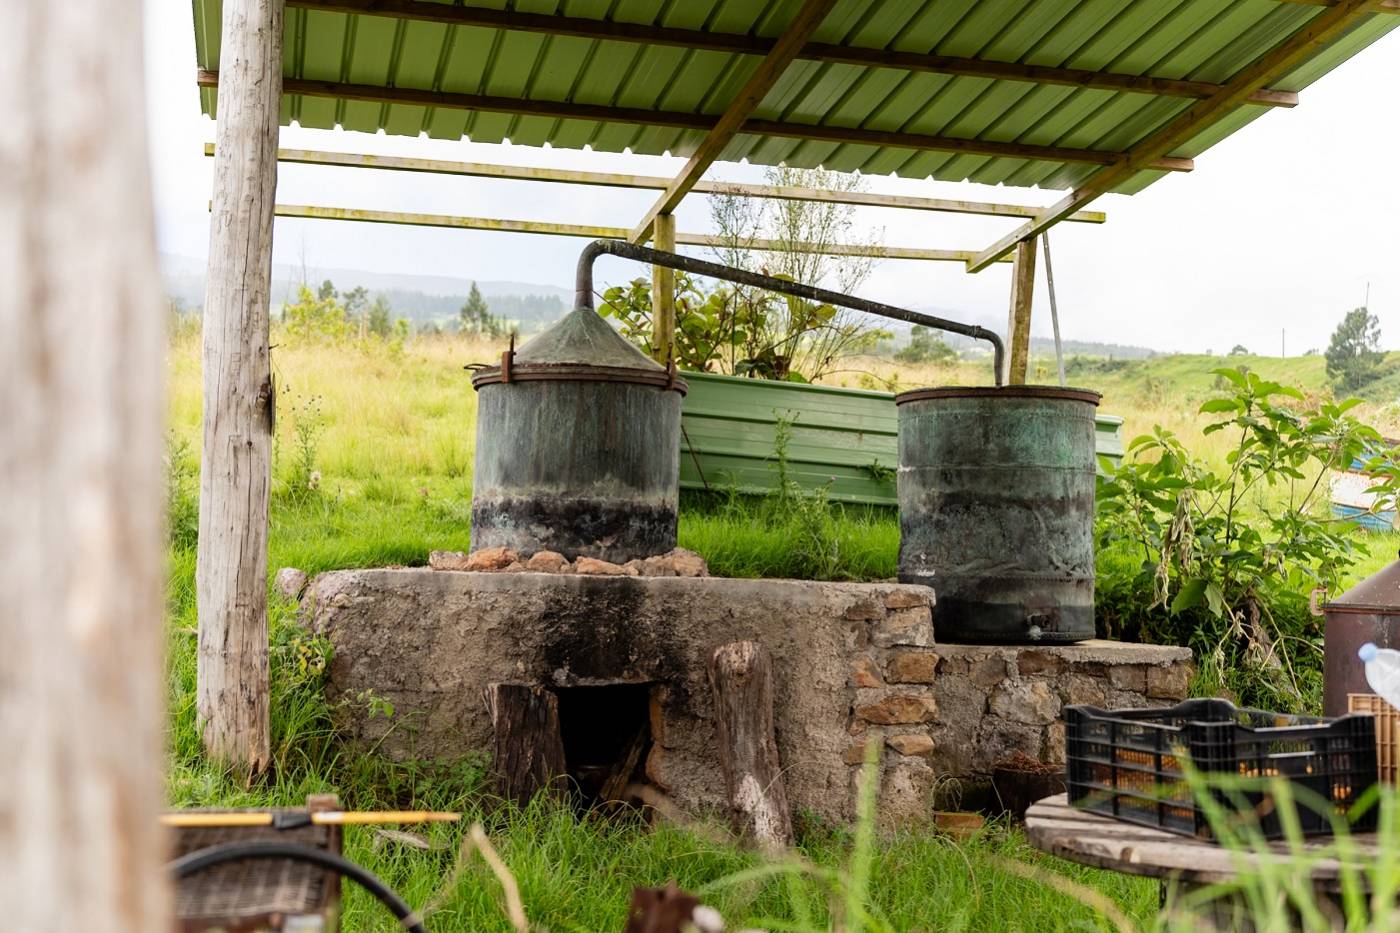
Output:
(658, 182)
(741, 679)
(1288, 55)
(486, 103)
(594, 232)
(558, 25)
(231, 574)
(1018, 326)
(663, 292)
(528, 750)
(1078, 835)
(798, 30)
(82, 372)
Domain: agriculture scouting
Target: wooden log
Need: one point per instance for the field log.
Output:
(81, 374)
(528, 748)
(741, 677)
(231, 575)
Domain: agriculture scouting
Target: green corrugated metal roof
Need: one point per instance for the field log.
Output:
(1205, 40)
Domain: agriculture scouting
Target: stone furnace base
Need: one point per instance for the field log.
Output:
(852, 662)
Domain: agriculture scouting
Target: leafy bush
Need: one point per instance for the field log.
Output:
(1229, 557)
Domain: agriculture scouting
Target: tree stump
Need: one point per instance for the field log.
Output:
(741, 676)
(528, 748)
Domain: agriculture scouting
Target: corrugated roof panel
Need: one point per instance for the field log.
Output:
(1206, 40)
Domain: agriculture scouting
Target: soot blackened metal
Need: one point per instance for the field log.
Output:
(996, 510)
(578, 446)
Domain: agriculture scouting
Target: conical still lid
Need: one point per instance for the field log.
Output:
(1380, 592)
(580, 346)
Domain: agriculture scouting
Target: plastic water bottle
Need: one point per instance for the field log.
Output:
(1382, 671)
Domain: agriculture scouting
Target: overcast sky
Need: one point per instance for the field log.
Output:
(1280, 227)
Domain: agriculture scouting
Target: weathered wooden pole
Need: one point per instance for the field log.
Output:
(741, 677)
(238, 393)
(663, 291)
(80, 476)
(1018, 327)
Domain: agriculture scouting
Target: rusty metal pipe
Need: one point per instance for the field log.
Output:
(583, 290)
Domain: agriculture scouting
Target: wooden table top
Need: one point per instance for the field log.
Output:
(1080, 836)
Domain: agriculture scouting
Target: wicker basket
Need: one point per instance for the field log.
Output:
(259, 894)
(1387, 731)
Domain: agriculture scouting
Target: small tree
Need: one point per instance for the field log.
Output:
(313, 318)
(1239, 349)
(1353, 356)
(326, 291)
(379, 322)
(745, 331)
(925, 346)
(355, 301)
(477, 319)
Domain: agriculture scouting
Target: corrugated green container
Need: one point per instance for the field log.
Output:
(845, 437)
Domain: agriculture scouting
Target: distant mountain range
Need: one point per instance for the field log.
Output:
(420, 298)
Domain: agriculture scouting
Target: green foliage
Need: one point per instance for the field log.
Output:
(475, 317)
(379, 321)
(741, 331)
(302, 479)
(1353, 356)
(181, 493)
(1222, 552)
(315, 318)
(1239, 349)
(925, 346)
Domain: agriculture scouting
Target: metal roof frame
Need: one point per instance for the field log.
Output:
(1171, 78)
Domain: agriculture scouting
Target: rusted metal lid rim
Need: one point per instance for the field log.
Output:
(1072, 394)
(579, 372)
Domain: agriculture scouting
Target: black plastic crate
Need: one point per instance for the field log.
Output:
(1127, 764)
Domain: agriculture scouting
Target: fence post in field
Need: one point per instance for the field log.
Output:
(1018, 327)
(238, 391)
(80, 477)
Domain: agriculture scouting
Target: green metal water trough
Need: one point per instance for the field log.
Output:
(845, 439)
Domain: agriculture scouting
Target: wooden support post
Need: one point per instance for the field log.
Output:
(1018, 326)
(81, 374)
(741, 676)
(528, 753)
(663, 291)
(231, 579)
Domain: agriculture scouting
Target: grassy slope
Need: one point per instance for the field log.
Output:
(395, 459)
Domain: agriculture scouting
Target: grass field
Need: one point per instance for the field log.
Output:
(386, 436)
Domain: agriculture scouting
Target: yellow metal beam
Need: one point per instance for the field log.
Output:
(1314, 36)
(594, 232)
(659, 183)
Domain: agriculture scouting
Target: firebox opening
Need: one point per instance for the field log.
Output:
(606, 732)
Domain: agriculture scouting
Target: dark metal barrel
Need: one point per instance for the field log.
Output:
(577, 447)
(1368, 612)
(996, 510)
